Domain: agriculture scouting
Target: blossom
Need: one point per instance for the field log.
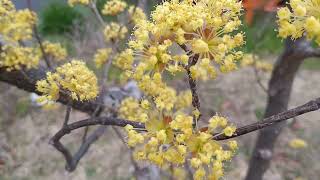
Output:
(55, 50)
(101, 56)
(114, 7)
(74, 2)
(114, 31)
(303, 18)
(17, 57)
(298, 143)
(74, 78)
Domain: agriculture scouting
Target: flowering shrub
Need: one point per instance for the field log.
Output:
(205, 32)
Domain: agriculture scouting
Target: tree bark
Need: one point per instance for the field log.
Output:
(279, 91)
(26, 80)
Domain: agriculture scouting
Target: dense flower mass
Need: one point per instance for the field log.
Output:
(136, 14)
(102, 56)
(73, 78)
(55, 50)
(304, 17)
(206, 28)
(171, 141)
(114, 7)
(114, 31)
(17, 57)
(16, 25)
(206, 32)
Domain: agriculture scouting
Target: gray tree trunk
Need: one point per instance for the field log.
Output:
(279, 91)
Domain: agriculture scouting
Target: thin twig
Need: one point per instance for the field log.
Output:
(135, 164)
(39, 40)
(308, 107)
(95, 11)
(258, 79)
(66, 119)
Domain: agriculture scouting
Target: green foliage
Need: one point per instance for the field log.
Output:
(262, 36)
(58, 18)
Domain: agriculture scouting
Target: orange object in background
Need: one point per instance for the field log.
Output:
(251, 6)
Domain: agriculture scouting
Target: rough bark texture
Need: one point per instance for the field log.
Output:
(279, 91)
(26, 80)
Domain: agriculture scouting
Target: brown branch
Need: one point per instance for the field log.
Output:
(258, 80)
(308, 107)
(313, 52)
(192, 82)
(39, 40)
(27, 81)
(72, 161)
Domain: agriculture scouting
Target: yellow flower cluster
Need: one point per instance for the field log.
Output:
(73, 78)
(251, 60)
(75, 2)
(298, 143)
(114, 31)
(16, 25)
(304, 17)
(136, 14)
(206, 28)
(131, 109)
(124, 60)
(114, 7)
(101, 56)
(17, 57)
(55, 50)
(171, 142)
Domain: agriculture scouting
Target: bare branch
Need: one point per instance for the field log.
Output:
(313, 52)
(39, 40)
(308, 107)
(258, 80)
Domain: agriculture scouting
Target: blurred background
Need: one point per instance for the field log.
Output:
(27, 127)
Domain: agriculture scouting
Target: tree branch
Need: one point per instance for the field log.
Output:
(313, 52)
(27, 81)
(308, 107)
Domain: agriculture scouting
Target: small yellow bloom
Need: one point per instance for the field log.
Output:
(298, 143)
(229, 130)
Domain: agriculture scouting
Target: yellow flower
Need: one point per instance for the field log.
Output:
(101, 56)
(229, 130)
(233, 145)
(304, 17)
(74, 2)
(136, 14)
(298, 143)
(55, 50)
(114, 7)
(130, 109)
(195, 162)
(161, 135)
(73, 77)
(199, 174)
(124, 60)
(17, 57)
(114, 32)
